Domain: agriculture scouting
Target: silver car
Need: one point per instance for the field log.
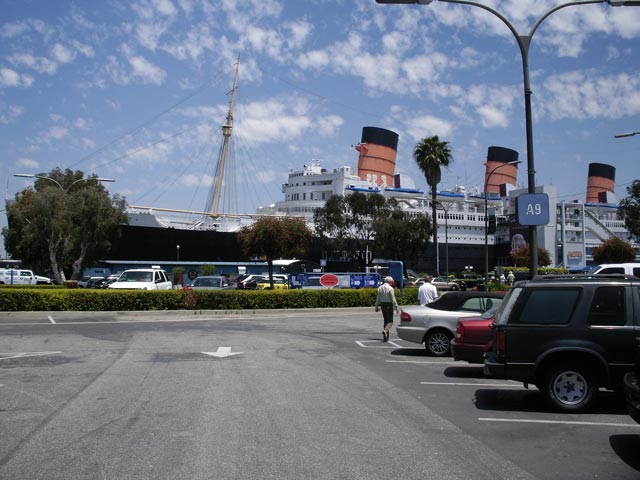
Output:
(435, 324)
(208, 282)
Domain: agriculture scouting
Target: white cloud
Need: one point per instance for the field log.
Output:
(11, 113)
(11, 78)
(62, 54)
(582, 95)
(195, 180)
(39, 64)
(84, 49)
(27, 163)
(146, 71)
(427, 125)
(329, 125)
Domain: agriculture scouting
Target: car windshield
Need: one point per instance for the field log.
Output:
(136, 277)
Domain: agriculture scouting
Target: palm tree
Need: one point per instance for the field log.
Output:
(431, 154)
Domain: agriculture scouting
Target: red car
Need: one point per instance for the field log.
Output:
(473, 337)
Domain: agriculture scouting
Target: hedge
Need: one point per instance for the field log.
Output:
(64, 299)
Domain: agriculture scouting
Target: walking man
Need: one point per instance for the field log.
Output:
(386, 300)
(427, 292)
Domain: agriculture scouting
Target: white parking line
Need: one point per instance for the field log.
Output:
(471, 384)
(51, 319)
(559, 422)
(25, 354)
(378, 344)
(425, 362)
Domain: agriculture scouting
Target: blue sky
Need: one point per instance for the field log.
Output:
(137, 90)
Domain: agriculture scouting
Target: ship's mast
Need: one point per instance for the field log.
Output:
(226, 133)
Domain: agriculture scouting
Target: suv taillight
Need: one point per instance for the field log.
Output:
(405, 317)
(459, 333)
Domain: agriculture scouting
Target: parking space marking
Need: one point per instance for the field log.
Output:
(51, 319)
(471, 384)
(560, 422)
(24, 354)
(425, 362)
(378, 344)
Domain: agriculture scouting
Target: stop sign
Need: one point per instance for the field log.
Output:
(329, 280)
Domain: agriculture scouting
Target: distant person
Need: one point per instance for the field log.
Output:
(427, 292)
(511, 278)
(503, 279)
(386, 300)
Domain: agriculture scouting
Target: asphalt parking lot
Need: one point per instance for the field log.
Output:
(278, 394)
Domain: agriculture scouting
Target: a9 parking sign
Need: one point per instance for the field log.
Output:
(532, 208)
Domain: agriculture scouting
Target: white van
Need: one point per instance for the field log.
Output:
(623, 268)
(15, 276)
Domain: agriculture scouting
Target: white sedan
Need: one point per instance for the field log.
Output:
(435, 324)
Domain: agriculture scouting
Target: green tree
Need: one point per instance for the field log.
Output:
(63, 223)
(614, 250)
(347, 223)
(431, 154)
(208, 269)
(402, 236)
(630, 209)
(520, 257)
(275, 237)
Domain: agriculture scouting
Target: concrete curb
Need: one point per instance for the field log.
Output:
(182, 314)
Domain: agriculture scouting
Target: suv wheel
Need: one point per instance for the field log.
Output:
(570, 388)
(438, 343)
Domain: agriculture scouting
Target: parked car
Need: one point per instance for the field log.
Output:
(208, 282)
(243, 280)
(632, 391)
(142, 279)
(444, 284)
(278, 284)
(617, 268)
(13, 276)
(568, 335)
(474, 337)
(413, 282)
(435, 324)
(40, 280)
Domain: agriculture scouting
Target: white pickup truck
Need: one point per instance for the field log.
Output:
(18, 276)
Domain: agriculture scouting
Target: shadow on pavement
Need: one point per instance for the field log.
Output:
(627, 448)
(531, 400)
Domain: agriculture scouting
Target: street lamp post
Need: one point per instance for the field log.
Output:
(446, 206)
(65, 190)
(177, 253)
(486, 222)
(628, 134)
(524, 42)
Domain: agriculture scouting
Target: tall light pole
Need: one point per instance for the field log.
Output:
(486, 222)
(65, 190)
(445, 206)
(628, 134)
(524, 42)
(177, 253)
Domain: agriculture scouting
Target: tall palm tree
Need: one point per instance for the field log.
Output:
(431, 154)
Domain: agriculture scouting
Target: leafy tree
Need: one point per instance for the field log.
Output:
(347, 221)
(630, 209)
(275, 237)
(63, 223)
(520, 257)
(431, 154)
(614, 250)
(208, 269)
(402, 236)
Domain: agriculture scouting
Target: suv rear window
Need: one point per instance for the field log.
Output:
(546, 306)
(607, 307)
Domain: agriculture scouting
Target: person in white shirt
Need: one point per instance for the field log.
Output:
(386, 300)
(427, 292)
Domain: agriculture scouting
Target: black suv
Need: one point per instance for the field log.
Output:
(568, 335)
